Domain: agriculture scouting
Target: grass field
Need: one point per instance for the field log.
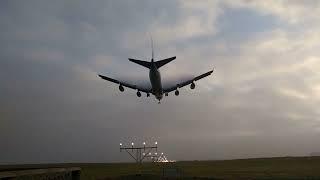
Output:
(260, 168)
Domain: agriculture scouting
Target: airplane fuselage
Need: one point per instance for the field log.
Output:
(155, 79)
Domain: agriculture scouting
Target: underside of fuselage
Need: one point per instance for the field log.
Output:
(155, 79)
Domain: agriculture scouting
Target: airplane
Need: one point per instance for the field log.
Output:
(155, 78)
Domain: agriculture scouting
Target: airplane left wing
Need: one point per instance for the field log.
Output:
(185, 83)
(131, 86)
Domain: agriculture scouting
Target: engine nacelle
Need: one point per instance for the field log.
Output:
(176, 93)
(138, 93)
(121, 88)
(192, 86)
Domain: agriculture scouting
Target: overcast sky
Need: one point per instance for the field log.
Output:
(262, 99)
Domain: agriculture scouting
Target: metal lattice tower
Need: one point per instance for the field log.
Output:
(141, 152)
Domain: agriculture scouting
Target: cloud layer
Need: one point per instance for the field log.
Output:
(261, 100)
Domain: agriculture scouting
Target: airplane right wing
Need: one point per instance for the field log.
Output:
(182, 84)
(131, 86)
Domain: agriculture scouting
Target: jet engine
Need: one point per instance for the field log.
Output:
(138, 93)
(121, 88)
(192, 86)
(176, 93)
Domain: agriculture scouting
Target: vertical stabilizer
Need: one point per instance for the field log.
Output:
(152, 53)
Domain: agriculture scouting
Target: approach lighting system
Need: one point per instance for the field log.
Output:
(139, 153)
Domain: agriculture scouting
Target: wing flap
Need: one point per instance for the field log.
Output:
(131, 86)
(185, 83)
(109, 79)
(203, 75)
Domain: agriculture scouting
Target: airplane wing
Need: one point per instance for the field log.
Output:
(187, 82)
(131, 86)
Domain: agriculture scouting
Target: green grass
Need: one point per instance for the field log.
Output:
(260, 168)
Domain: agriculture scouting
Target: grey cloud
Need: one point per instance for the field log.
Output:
(55, 109)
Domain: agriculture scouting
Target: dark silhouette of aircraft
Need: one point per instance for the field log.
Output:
(155, 78)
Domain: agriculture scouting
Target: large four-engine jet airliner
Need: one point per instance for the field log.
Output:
(155, 78)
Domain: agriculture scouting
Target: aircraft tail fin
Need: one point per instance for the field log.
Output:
(142, 63)
(164, 61)
(152, 52)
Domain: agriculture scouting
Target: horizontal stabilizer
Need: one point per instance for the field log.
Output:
(164, 61)
(142, 63)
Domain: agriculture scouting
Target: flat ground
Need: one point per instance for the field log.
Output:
(260, 168)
